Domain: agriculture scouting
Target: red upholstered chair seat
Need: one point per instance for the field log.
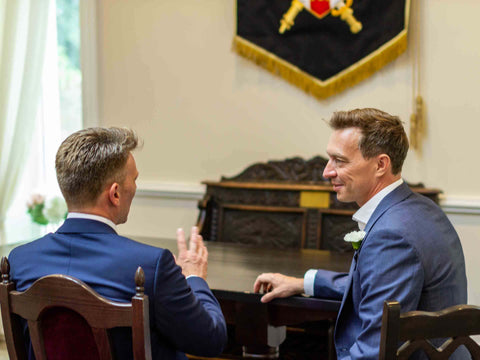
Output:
(67, 335)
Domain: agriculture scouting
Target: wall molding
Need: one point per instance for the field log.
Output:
(469, 205)
(170, 190)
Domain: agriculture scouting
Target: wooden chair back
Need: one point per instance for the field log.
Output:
(404, 334)
(54, 301)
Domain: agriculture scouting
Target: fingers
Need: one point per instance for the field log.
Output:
(202, 252)
(181, 242)
(197, 246)
(263, 280)
(258, 284)
(268, 297)
(277, 286)
(194, 241)
(193, 259)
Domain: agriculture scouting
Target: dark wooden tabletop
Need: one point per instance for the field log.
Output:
(234, 267)
(232, 270)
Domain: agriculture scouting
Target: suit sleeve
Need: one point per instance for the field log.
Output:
(186, 311)
(389, 269)
(329, 284)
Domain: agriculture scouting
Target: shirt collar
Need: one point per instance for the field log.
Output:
(365, 212)
(76, 215)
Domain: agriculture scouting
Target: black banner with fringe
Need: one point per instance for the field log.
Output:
(322, 46)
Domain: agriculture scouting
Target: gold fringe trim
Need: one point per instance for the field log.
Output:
(337, 83)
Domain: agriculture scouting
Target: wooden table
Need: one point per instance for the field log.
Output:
(259, 327)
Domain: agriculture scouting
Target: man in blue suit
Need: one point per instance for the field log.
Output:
(408, 251)
(96, 172)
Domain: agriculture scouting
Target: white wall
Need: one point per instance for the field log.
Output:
(468, 228)
(167, 70)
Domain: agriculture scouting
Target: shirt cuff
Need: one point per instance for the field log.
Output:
(308, 281)
(189, 276)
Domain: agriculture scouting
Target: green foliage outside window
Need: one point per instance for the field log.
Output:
(70, 76)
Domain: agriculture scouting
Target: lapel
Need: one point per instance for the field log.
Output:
(85, 226)
(396, 196)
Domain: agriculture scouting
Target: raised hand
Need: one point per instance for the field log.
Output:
(193, 260)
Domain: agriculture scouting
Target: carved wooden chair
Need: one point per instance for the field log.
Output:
(404, 334)
(68, 320)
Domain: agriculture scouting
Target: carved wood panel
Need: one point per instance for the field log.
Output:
(334, 229)
(280, 230)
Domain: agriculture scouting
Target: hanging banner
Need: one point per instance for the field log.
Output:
(322, 46)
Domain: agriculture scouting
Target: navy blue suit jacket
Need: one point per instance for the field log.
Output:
(411, 253)
(184, 314)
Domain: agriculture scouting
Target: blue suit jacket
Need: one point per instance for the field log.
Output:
(184, 314)
(410, 253)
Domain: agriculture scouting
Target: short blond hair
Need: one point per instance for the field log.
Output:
(89, 159)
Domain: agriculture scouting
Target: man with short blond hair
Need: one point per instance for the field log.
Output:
(97, 175)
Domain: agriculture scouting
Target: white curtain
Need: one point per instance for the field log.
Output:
(23, 31)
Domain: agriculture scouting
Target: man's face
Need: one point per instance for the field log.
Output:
(352, 176)
(127, 189)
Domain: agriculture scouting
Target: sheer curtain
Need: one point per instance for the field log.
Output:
(23, 34)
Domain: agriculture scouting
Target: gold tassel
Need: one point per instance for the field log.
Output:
(413, 131)
(417, 125)
(318, 88)
(417, 119)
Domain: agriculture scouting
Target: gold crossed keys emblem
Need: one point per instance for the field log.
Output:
(320, 9)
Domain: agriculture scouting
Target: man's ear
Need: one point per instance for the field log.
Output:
(384, 164)
(114, 194)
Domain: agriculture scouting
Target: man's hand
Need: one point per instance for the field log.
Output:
(277, 286)
(193, 261)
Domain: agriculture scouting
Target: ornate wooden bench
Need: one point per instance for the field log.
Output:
(285, 204)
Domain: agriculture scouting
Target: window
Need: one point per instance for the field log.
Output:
(70, 75)
(60, 114)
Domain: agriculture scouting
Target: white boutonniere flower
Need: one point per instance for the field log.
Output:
(355, 238)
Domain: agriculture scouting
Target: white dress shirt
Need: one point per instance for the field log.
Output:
(76, 215)
(361, 217)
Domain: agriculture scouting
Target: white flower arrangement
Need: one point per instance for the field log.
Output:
(355, 238)
(44, 211)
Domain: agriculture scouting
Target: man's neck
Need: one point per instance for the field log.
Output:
(382, 184)
(92, 211)
(77, 215)
(362, 216)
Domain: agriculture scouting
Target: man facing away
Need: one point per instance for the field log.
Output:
(410, 251)
(96, 172)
